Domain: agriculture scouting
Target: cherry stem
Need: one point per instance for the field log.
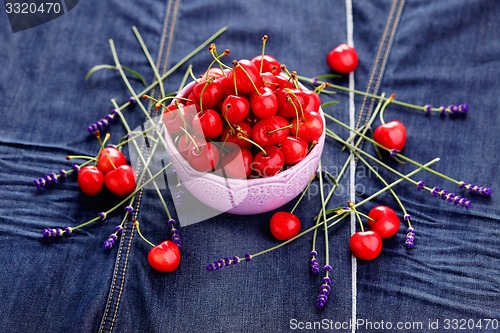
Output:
(102, 149)
(264, 41)
(298, 102)
(386, 103)
(82, 157)
(240, 136)
(192, 140)
(353, 208)
(136, 225)
(279, 129)
(189, 71)
(217, 58)
(209, 81)
(236, 64)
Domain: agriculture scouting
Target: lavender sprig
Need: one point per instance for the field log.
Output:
(451, 197)
(174, 234)
(110, 242)
(410, 237)
(481, 190)
(221, 263)
(314, 265)
(324, 292)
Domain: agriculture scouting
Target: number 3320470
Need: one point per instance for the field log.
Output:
(32, 8)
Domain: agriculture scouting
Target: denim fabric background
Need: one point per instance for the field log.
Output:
(443, 52)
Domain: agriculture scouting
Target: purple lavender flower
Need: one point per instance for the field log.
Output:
(420, 185)
(410, 237)
(481, 190)
(451, 197)
(324, 292)
(110, 242)
(407, 217)
(52, 232)
(128, 209)
(221, 263)
(313, 264)
(102, 215)
(427, 108)
(102, 123)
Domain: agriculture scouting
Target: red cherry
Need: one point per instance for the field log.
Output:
(290, 102)
(90, 180)
(205, 158)
(269, 164)
(270, 64)
(366, 245)
(175, 116)
(121, 181)
(310, 128)
(165, 257)
(312, 101)
(244, 81)
(109, 155)
(284, 225)
(342, 59)
(386, 222)
(186, 143)
(232, 136)
(213, 93)
(391, 135)
(235, 109)
(294, 149)
(264, 105)
(272, 82)
(237, 164)
(208, 123)
(261, 131)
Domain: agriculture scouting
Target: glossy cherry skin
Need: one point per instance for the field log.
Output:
(210, 124)
(204, 159)
(290, 102)
(121, 181)
(269, 164)
(237, 163)
(264, 104)
(213, 93)
(186, 143)
(90, 180)
(312, 102)
(284, 225)
(260, 132)
(294, 149)
(269, 65)
(235, 109)
(109, 155)
(244, 82)
(366, 245)
(342, 59)
(175, 116)
(386, 222)
(391, 135)
(165, 257)
(231, 136)
(310, 128)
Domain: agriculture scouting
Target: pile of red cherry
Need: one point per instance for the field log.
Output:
(111, 170)
(271, 121)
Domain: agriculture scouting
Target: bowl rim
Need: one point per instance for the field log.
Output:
(284, 173)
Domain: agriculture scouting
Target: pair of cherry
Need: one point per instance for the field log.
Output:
(384, 223)
(111, 170)
(264, 114)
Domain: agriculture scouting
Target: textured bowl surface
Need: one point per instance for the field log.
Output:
(247, 196)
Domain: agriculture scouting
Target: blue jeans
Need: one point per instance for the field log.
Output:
(438, 53)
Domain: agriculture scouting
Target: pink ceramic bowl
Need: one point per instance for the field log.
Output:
(246, 196)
